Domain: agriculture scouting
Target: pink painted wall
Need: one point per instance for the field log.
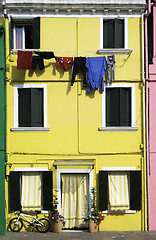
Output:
(151, 124)
(151, 160)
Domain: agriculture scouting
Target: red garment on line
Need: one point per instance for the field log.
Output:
(24, 60)
(64, 61)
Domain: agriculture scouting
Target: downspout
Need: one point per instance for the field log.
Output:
(147, 95)
(144, 215)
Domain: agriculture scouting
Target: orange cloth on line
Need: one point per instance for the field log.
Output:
(64, 61)
(24, 60)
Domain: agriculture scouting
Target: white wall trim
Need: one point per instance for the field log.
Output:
(16, 87)
(118, 168)
(119, 212)
(30, 169)
(58, 177)
(114, 85)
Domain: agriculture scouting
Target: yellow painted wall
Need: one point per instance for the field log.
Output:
(75, 116)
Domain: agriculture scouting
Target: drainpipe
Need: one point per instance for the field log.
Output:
(2, 131)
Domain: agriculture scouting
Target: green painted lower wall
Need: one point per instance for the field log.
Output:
(2, 133)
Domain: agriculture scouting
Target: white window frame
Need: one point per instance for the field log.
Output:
(60, 171)
(124, 50)
(16, 128)
(132, 127)
(119, 169)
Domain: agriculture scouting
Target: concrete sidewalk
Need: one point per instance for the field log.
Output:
(80, 235)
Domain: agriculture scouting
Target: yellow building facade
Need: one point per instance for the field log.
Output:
(75, 149)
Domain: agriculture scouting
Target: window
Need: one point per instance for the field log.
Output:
(118, 107)
(26, 34)
(113, 33)
(119, 190)
(30, 191)
(114, 36)
(30, 107)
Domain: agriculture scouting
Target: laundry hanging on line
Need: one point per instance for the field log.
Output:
(96, 68)
(24, 60)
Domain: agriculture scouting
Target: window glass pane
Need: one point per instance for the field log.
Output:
(28, 37)
(19, 38)
(112, 107)
(37, 107)
(119, 33)
(118, 191)
(24, 117)
(125, 106)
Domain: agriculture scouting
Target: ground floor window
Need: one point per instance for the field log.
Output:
(118, 183)
(120, 191)
(30, 191)
(31, 186)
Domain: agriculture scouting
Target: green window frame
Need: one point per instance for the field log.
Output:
(113, 33)
(30, 107)
(118, 107)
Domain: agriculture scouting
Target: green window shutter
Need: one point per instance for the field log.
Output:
(36, 33)
(135, 190)
(103, 190)
(112, 107)
(24, 107)
(108, 33)
(14, 191)
(37, 107)
(125, 106)
(47, 183)
(119, 33)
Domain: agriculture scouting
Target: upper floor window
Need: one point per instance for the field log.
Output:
(113, 33)
(25, 34)
(118, 108)
(114, 36)
(30, 107)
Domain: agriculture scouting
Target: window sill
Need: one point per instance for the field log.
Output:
(120, 51)
(30, 129)
(118, 129)
(119, 212)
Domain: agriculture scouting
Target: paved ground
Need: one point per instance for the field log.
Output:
(80, 235)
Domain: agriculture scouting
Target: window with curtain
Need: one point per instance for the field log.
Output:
(118, 106)
(113, 33)
(25, 33)
(31, 191)
(118, 191)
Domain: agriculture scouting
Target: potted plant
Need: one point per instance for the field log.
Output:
(56, 219)
(95, 217)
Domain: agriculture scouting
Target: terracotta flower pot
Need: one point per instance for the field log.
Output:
(93, 227)
(56, 226)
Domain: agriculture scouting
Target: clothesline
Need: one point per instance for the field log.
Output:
(93, 68)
